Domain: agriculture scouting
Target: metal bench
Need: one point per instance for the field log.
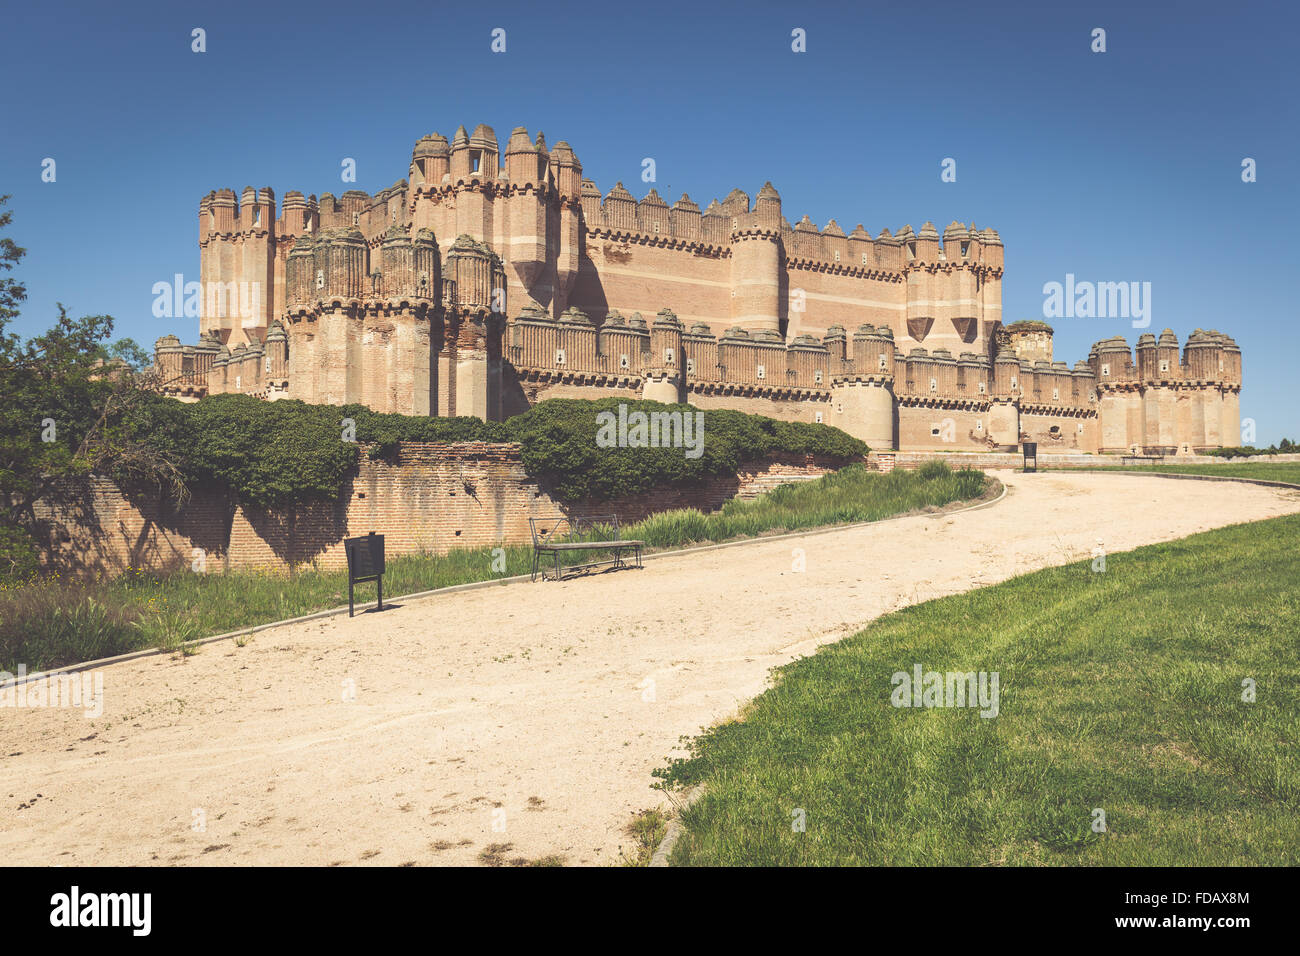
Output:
(556, 536)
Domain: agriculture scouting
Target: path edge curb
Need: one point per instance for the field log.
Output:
(475, 585)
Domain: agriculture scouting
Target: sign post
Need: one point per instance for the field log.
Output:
(1030, 449)
(365, 563)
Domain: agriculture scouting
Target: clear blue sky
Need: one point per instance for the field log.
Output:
(1122, 166)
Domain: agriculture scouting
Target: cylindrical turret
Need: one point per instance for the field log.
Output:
(755, 277)
(663, 382)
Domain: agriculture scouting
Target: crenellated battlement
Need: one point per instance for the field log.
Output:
(496, 274)
(1210, 358)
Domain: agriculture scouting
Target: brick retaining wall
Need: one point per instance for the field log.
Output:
(432, 498)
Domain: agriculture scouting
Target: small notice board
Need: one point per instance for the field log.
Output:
(365, 563)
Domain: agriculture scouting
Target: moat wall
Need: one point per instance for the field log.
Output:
(432, 499)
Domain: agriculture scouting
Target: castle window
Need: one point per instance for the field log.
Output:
(320, 278)
(864, 258)
(623, 362)
(690, 366)
(475, 160)
(911, 250)
(934, 385)
(982, 387)
(257, 216)
(839, 408)
(1164, 366)
(965, 249)
(1105, 370)
(669, 359)
(817, 376)
(761, 372)
(1055, 430)
(817, 417)
(559, 356)
(979, 424)
(882, 362)
(1013, 383)
(1080, 428)
(837, 255)
(268, 363)
(356, 218)
(1056, 394)
(935, 431)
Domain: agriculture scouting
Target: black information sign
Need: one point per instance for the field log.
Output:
(365, 563)
(1031, 455)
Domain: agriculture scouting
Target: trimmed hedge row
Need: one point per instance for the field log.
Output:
(276, 453)
(1285, 447)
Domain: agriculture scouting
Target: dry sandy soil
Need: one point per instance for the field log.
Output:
(535, 709)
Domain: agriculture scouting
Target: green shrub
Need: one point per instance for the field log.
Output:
(932, 469)
(277, 453)
(1285, 446)
(559, 446)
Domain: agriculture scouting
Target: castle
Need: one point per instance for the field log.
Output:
(489, 281)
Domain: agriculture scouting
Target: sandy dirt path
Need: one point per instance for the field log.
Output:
(527, 706)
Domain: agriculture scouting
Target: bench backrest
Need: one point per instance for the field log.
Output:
(560, 529)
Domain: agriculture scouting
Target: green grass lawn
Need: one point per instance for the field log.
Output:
(53, 623)
(1119, 691)
(1263, 469)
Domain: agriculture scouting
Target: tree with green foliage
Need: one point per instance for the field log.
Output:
(127, 351)
(65, 414)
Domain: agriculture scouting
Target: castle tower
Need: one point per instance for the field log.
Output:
(567, 173)
(663, 376)
(1004, 403)
(277, 360)
(474, 165)
(862, 395)
(1030, 339)
(1120, 418)
(430, 162)
(167, 359)
(341, 259)
(469, 363)
(526, 216)
(1230, 427)
(755, 239)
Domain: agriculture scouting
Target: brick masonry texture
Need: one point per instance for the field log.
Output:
(491, 279)
(431, 499)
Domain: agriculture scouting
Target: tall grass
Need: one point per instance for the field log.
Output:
(51, 623)
(848, 495)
